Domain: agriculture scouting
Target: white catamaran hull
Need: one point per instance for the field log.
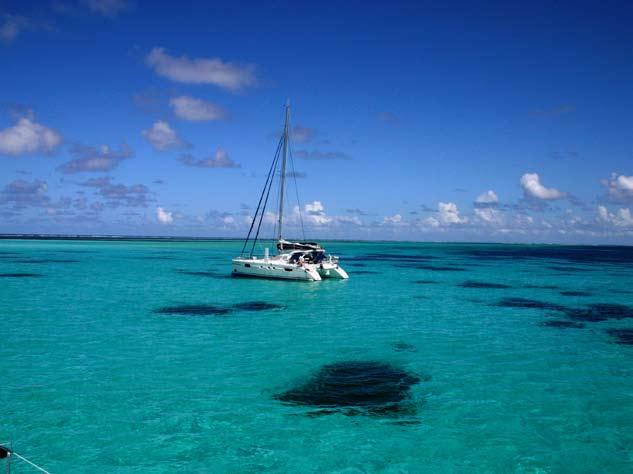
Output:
(274, 269)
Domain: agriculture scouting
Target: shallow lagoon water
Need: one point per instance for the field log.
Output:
(96, 378)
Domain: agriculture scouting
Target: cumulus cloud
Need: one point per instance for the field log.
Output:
(20, 194)
(115, 195)
(201, 71)
(621, 218)
(487, 198)
(488, 214)
(315, 213)
(196, 110)
(620, 187)
(431, 222)
(354, 220)
(93, 159)
(532, 187)
(395, 219)
(449, 214)
(163, 216)
(162, 137)
(221, 159)
(322, 155)
(28, 137)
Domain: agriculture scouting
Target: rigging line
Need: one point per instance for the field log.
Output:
(276, 221)
(294, 175)
(261, 217)
(272, 167)
(13, 453)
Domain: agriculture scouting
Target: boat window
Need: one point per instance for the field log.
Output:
(247, 265)
(288, 269)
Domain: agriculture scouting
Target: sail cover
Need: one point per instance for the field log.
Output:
(285, 245)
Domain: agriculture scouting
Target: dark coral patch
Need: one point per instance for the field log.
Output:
(434, 268)
(256, 306)
(575, 293)
(558, 323)
(569, 253)
(203, 273)
(194, 310)
(425, 282)
(622, 336)
(482, 284)
(370, 387)
(386, 257)
(569, 269)
(156, 257)
(528, 303)
(542, 287)
(20, 275)
(600, 312)
(622, 292)
(404, 347)
(592, 313)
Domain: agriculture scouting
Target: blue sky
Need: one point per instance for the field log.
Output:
(413, 121)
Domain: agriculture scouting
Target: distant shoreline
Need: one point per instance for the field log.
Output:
(158, 238)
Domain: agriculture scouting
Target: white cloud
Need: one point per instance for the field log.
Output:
(23, 194)
(163, 216)
(620, 187)
(220, 160)
(355, 220)
(532, 187)
(270, 217)
(196, 110)
(162, 136)
(201, 71)
(395, 219)
(431, 222)
(489, 197)
(115, 195)
(488, 214)
(28, 137)
(93, 159)
(315, 213)
(449, 214)
(622, 218)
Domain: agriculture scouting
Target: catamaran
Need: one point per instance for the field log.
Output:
(293, 260)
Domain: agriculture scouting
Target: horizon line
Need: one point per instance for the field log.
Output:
(115, 237)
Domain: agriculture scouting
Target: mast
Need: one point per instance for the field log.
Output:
(282, 184)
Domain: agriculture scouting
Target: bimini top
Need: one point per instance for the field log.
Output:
(285, 245)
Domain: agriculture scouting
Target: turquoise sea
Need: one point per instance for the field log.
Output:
(147, 357)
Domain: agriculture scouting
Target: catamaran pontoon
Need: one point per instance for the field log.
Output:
(293, 260)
